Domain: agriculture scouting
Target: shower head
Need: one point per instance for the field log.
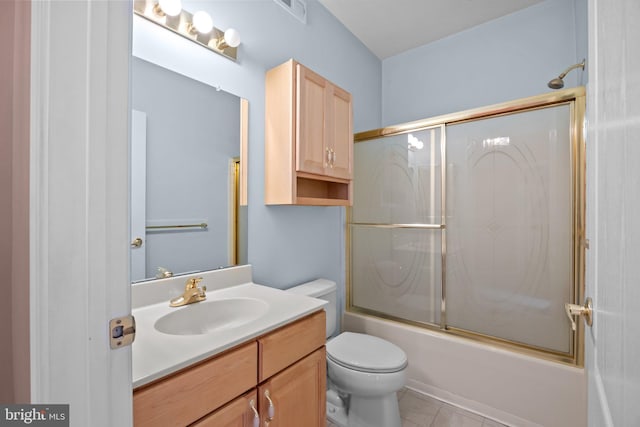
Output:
(558, 83)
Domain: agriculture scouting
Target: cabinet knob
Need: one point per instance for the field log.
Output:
(256, 418)
(271, 411)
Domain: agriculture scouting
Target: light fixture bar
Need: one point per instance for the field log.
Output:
(182, 24)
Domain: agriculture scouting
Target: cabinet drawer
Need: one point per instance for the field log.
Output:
(194, 392)
(290, 343)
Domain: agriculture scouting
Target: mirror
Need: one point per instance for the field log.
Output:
(188, 175)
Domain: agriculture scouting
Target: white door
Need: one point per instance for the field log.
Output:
(613, 211)
(79, 219)
(138, 195)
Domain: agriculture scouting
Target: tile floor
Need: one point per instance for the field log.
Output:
(418, 410)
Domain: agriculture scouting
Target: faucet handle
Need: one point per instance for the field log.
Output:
(193, 283)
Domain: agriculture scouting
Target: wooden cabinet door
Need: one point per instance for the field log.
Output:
(340, 133)
(298, 394)
(311, 152)
(237, 413)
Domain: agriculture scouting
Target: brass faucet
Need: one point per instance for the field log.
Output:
(192, 293)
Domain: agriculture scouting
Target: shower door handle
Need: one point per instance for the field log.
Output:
(585, 310)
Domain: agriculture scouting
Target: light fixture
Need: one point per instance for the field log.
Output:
(230, 38)
(202, 22)
(168, 7)
(197, 27)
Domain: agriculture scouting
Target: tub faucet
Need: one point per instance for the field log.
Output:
(192, 293)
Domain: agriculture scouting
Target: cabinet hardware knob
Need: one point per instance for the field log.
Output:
(331, 157)
(256, 418)
(271, 412)
(136, 243)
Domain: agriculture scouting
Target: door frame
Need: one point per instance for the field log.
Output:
(79, 209)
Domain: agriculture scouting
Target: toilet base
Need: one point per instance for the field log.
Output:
(337, 418)
(336, 409)
(364, 411)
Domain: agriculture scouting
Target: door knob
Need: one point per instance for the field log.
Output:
(136, 243)
(585, 310)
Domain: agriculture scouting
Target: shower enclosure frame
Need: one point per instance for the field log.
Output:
(575, 99)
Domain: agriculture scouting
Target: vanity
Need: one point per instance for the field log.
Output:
(248, 355)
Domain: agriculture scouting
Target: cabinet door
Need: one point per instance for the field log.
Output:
(298, 394)
(238, 413)
(340, 133)
(311, 152)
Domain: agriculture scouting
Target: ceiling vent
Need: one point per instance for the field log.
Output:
(297, 8)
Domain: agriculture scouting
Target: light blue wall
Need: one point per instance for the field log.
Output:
(507, 58)
(287, 244)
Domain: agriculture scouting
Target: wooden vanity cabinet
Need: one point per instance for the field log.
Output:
(308, 138)
(289, 363)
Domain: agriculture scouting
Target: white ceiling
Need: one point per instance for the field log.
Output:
(389, 27)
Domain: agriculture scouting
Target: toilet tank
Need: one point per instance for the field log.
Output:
(325, 290)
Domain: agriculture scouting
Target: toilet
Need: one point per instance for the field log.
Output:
(364, 372)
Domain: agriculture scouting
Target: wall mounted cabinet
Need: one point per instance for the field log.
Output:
(288, 365)
(308, 138)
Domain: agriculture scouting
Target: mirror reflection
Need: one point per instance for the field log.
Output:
(188, 195)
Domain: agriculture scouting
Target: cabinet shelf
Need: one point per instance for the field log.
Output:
(321, 192)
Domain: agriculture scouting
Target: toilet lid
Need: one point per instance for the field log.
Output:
(366, 353)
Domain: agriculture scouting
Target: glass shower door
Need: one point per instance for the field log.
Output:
(509, 267)
(396, 236)
(472, 224)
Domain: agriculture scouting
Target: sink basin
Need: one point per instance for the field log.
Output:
(211, 316)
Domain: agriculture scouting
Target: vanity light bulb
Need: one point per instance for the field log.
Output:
(232, 37)
(202, 22)
(171, 7)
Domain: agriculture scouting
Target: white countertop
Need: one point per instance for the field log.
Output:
(156, 354)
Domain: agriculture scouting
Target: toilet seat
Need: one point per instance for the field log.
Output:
(366, 353)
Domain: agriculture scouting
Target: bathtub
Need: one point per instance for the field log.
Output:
(512, 388)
